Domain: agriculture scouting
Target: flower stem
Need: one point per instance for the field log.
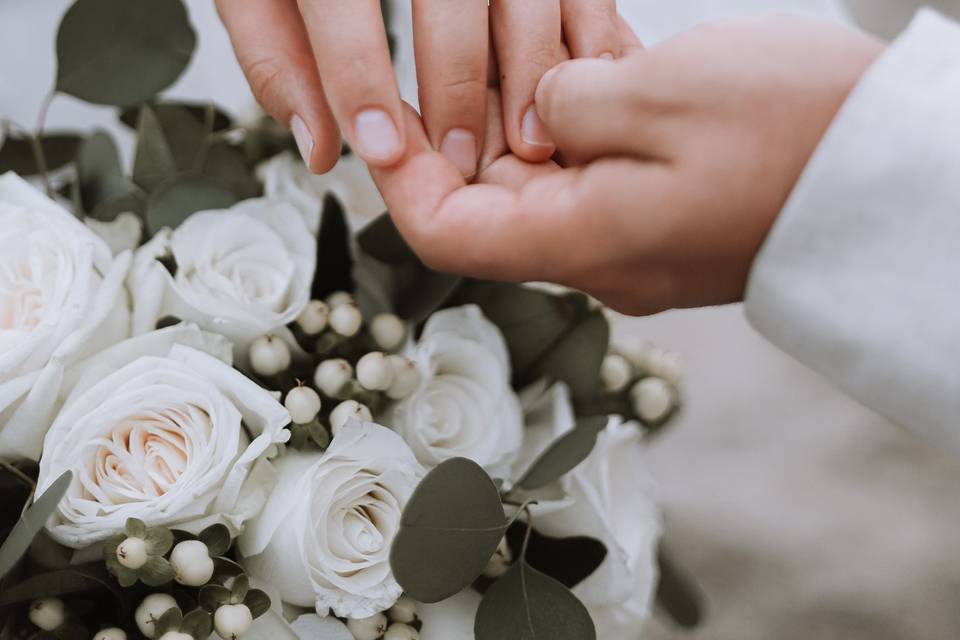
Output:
(19, 475)
(37, 141)
(527, 534)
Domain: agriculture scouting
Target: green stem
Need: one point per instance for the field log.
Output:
(527, 534)
(37, 141)
(19, 475)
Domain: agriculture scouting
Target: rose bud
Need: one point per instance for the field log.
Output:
(232, 620)
(346, 410)
(375, 372)
(192, 564)
(132, 553)
(388, 331)
(269, 355)
(332, 375)
(371, 628)
(150, 610)
(346, 320)
(47, 613)
(303, 403)
(314, 317)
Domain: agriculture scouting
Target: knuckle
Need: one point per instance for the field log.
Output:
(542, 52)
(267, 78)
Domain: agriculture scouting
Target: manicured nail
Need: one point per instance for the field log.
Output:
(377, 135)
(533, 131)
(460, 147)
(302, 135)
(606, 56)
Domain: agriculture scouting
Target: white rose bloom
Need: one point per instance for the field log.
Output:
(243, 272)
(286, 177)
(156, 429)
(324, 537)
(61, 299)
(465, 406)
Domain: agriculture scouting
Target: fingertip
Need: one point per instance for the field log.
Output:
(378, 137)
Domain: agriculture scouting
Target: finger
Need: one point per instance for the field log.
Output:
(591, 28)
(274, 53)
(528, 39)
(451, 40)
(630, 43)
(350, 45)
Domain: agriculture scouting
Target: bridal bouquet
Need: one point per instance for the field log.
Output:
(224, 412)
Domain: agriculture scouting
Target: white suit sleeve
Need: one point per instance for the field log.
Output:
(860, 277)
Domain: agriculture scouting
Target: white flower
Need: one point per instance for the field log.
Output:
(286, 177)
(465, 406)
(242, 272)
(607, 497)
(324, 538)
(61, 299)
(158, 430)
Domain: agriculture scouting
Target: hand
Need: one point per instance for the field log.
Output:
(323, 66)
(679, 160)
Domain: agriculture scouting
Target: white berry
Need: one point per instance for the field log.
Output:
(314, 317)
(400, 631)
(406, 378)
(150, 610)
(132, 553)
(615, 372)
(388, 331)
(232, 620)
(47, 613)
(192, 564)
(113, 633)
(653, 398)
(375, 372)
(404, 610)
(303, 403)
(370, 628)
(176, 635)
(269, 355)
(500, 561)
(338, 298)
(346, 320)
(346, 410)
(332, 375)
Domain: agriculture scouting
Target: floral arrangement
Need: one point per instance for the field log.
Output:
(224, 412)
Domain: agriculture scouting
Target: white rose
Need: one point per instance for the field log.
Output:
(286, 177)
(324, 537)
(242, 272)
(465, 406)
(158, 430)
(61, 299)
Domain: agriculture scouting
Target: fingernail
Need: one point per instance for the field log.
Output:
(533, 130)
(459, 146)
(606, 56)
(377, 135)
(302, 135)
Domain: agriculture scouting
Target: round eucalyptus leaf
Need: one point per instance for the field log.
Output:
(525, 604)
(564, 454)
(176, 199)
(121, 52)
(449, 530)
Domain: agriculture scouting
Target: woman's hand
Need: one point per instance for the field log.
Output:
(323, 67)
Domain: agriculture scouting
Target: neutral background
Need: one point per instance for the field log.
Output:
(803, 515)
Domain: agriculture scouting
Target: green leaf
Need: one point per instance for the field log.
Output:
(177, 199)
(198, 111)
(382, 240)
(154, 161)
(334, 263)
(130, 202)
(198, 623)
(319, 434)
(257, 601)
(677, 594)
(169, 621)
(217, 539)
(121, 52)
(449, 529)
(79, 579)
(226, 164)
(159, 540)
(156, 572)
(31, 522)
(16, 152)
(213, 596)
(569, 561)
(565, 453)
(224, 569)
(184, 134)
(577, 358)
(100, 175)
(135, 528)
(240, 588)
(427, 293)
(525, 604)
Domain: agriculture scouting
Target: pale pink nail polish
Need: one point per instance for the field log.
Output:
(303, 138)
(459, 146)
(533, 130)
(606, 56)
(377, 135)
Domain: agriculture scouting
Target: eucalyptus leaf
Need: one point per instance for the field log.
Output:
(217, 539)
(427, 293)
(100, 174)
(79, 579)
(257, 601)
(564, 454)
(199, 111)
(334, 262)
(180, 197)
(185, 134)
(576, 358)
(198, 624)
(450, 528)
(226, 164)
(17, 153)
(131, 202)
(677, 594)
(154, 160)
(121, 52)
(525, 604)
(31, 522)
(382, 240)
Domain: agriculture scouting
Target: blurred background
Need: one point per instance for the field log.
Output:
(801, 514)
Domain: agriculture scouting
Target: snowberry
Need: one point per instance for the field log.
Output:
(338, 298)
(653, 399)
(314, 317)
(406, 378)
(113, 633)
(370, 628)
(331, 375)
(269, 355)
(192, 564)
(176, 635)
(150, 610)
(400, 631)
(232, 620)
(303, 403)
(615, 372)
(346, 320)
(346, 410)
(132, 553)
(375, 372)
(404, 611)
(47, 613)
(388, 331)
